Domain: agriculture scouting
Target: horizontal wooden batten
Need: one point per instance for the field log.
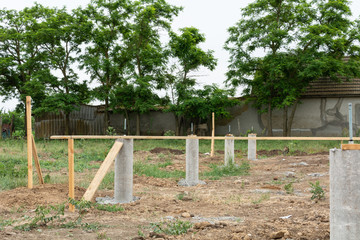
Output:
(350, 146)
(203, 138)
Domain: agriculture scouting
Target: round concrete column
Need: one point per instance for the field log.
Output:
(123, 182)
(344, 194)
(229, 151)
(252, 147)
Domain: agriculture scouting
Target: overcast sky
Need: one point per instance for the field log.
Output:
(213, 18)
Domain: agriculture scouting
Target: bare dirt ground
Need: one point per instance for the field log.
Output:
(240, 207)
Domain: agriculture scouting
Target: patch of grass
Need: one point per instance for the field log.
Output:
(153, 170)
(109, 207)
(5, 223)
(177, 227)
(263, 197)
(168, 162)
(229, 170)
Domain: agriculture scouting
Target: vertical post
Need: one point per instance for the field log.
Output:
(71, 172)
(344, 194)
(123, 180)
(350, 124)
(229, 151)
(213, 135)
(29, 141)
(252, 147)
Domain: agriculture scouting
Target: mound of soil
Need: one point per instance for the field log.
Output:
(47, 194)
(167, 150)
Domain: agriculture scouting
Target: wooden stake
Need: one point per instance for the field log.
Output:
(213, 135)
(99, 176)
(71, 173)
(29, 141)
(36, 160)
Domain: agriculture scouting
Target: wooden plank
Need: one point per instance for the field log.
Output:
(213, 135)
(71, 173)
(29, 141)
(36, 160)
(350, 146)
(99, 176)
(204, 138)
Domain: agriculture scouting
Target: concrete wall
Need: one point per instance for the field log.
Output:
(313, 117)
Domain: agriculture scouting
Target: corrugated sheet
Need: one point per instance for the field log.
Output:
(326, 88)
(85, 121)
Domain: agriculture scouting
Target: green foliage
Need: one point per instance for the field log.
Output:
(109, 208)
(169, 133)
(263, 197)
(5, 223)
(43, 216)
(111, 131)
(229, 170)
(177, 227)
(317, 191)
(289, 188)
(302, 41)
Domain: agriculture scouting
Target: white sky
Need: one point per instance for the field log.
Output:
(212, 17)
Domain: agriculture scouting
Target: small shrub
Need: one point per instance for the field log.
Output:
(317, 191)
(111, 131)
(169, 133)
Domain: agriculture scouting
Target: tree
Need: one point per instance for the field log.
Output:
(211, 99)
(62, 37)
(23, 62)
(106, 56)
(147, 55)
(301, 40)
(184, 48)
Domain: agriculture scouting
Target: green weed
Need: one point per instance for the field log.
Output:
(43, 216)
(109, 208)
(289, 188)
(317, 191)
(263, 197)
(177, 227)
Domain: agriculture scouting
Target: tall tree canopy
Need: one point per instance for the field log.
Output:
(188, 56)
(301, 41)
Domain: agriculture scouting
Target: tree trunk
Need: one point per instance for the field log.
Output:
(67, 124)
(270, 132)
(177, 125)
(285, 123)
(291, 118)
(107, 119)
(138, 124)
